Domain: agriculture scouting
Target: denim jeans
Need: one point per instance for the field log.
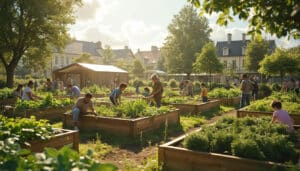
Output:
(245, 100)
(75, 114)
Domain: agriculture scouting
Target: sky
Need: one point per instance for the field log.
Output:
(140, 24)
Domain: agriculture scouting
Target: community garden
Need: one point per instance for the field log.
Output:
(137, 136)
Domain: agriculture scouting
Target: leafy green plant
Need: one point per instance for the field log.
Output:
(95, 89)
(254, 138)
(264, 90)
(224, 93)
(173, 83)
(6, 93)
(276, 87)
(47, 102)
(132, 109)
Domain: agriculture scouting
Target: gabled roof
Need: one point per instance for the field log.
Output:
(235, 47)
(149, 56)
(92, 67)
(123, 53)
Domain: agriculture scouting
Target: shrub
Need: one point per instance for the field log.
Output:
(264, 91)
(197, 88)
(173, 83)
(197, 141)
(136, 82)
(276, 87)
(247, 148)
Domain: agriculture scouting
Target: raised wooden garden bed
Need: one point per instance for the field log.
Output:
(196, 108)
(8, 101)
(175, 158)
(119, 126)
(243, 113)
(66, 137)
(229, 101)
(51, 114)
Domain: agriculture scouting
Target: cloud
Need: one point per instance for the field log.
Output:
(88, 10)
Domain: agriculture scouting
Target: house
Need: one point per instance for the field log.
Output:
(232, 52)
(76, 48)
(149, 58)
(83, 74)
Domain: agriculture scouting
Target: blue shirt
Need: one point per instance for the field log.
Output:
(75, 91)
(115, 93)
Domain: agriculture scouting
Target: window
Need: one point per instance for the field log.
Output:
(233, 64)
(225, 63)
(56, 60)
(225, 51)
(243, 50)
(62, 59)
(67, 60)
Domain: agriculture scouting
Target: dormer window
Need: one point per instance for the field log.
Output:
(243, 50)
(225, 51)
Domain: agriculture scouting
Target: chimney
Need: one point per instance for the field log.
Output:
(98, 45)
(244, 37)
(125, 47)
(229, 35)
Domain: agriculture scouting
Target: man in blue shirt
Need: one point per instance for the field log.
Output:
(115, 96)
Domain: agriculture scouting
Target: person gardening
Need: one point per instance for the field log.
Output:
(281, 116)
(204, 93)
(115, 96)
(157, 90)
(81, 108)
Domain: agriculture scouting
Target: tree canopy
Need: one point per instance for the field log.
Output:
(188, 33)
(280, 18)
(279, 63)
(207, 61)
(29, 25)
(255, 52)
(138, 68)
(107, 55)
(85, 58)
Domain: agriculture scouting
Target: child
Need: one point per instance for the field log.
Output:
(115, 96)
(146, 92)
(203, 92)
(281, 116)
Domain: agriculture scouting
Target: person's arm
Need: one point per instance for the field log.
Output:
(156, 92)
(274, 117)
(242, 86)
(93, 109)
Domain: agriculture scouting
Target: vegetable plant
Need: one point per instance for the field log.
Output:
(254, 138)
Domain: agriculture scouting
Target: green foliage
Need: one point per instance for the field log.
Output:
(197, 88)
(264, 90)
(136, 82)
(246, 137)
(138, 68)
(188, 33)
(255, 52)
(95, 89)
(24, 129)
(276, 87)
(85, 58)
(6, 93)
(173, 83)
(279, 63)
(32, 27)
(47, 102)
(197, 142)
(207, 61)
(132, 109)
(108, 55)
(224, 93)
(170, 93)
(290, 102)
(278, 18)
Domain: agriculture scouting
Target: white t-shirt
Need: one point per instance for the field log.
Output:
(25, 96)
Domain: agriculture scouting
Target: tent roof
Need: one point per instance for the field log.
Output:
(93, 67)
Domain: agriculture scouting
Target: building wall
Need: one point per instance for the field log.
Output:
(239, 60)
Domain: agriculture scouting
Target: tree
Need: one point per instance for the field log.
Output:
(279, 63)
(27, 25)
(161, 64)
(107, 55)
(255, 52)
(280, 18)
(188, 33)
(85, 58)
(207, 61)
(138, 68)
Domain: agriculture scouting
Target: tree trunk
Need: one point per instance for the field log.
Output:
(10, 76)
(210, 80)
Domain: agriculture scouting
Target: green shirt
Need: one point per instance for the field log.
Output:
(157, 91)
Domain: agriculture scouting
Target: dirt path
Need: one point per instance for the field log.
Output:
(123, 158)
